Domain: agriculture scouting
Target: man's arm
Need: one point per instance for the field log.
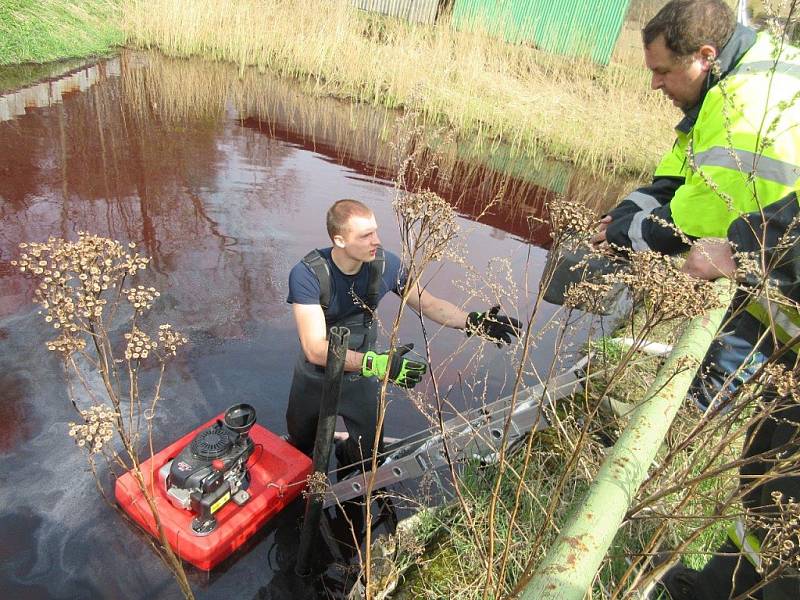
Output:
(772, 236)
(490, 325)
(436, 309)
(643, 220)
(311, 328)
(630, 224)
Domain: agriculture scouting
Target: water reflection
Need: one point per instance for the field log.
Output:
(223, 179)
(471, 172)
(51, 91)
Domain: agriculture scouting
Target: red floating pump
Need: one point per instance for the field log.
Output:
(216, 486)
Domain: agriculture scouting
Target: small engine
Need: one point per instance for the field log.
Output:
(212, 469)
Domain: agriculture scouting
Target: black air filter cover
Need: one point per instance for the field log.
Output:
(211, 443)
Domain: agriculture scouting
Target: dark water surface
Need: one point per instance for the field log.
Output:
(223, 178)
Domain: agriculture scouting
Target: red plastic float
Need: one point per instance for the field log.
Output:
(278, 473)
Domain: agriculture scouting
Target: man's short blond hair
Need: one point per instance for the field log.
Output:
(341, 212)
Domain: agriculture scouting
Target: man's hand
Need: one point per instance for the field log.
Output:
(710, 258)
(497, 328)
(402, 371)
(600, 237)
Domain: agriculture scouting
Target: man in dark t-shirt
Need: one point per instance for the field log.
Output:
(342, 286)
(304, 286)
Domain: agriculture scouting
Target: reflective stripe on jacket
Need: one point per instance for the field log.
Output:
(747, 543)
(778, 314)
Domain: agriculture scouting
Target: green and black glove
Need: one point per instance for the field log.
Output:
(402, 371)
(496, 328)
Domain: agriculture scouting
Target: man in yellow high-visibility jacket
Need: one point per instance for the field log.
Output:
(727, 184)
(738, 144)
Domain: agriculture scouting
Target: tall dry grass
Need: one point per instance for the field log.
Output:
(602, 119)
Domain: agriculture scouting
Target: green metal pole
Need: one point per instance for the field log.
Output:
(569, 567)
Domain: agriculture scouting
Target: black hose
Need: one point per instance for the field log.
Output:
(326, 427)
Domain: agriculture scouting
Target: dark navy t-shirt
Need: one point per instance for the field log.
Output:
(347, 291)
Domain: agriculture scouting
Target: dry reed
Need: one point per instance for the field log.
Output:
(470, 81)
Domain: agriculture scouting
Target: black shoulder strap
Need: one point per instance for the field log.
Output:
(319, 266)
(376, 269)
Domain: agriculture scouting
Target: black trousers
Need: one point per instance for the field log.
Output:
(358, 407)
(775, 436)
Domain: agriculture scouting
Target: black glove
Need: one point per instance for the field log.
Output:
(494, 327)
(402, 371)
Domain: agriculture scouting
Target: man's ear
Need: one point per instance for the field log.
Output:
(338, 241)
(708, 54)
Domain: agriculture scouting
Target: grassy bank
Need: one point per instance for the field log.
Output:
(669, 514)
(604, 119)
(38, 31)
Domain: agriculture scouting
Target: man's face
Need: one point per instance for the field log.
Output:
(360, 238)
(680, 78)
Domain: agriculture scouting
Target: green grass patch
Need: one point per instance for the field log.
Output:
(454, 565)
(38, 31)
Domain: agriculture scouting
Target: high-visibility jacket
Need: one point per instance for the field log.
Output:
(772, 236)
(745, 145)
(736, 152)
(778, 313)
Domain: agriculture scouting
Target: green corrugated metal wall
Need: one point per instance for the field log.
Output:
(586, 28)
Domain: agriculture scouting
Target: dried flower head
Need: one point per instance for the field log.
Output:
(139, 344)
(780, 532)
(73, 276)
(141, 298)
(67, 344)
(654, 281)
(587, 295)
(570, 219)
(317, 484)
(784, 381)
(170, 339)
(97, 428)
(749, 268)
(427, 223)
(668, 292)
